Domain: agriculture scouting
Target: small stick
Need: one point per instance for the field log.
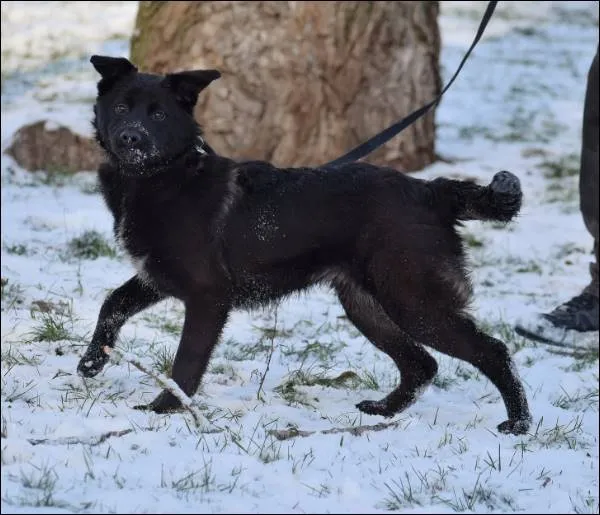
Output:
(286, 434)
(166, 383)
(71, 440)
(271, 351)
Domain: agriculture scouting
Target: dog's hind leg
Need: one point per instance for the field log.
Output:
(417, 367)
(205, 318)
(124, 302)
(440, 325)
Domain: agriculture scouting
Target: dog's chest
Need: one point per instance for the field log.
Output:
(137, 251)
(171, 249)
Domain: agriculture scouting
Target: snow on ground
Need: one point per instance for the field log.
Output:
(517, 105)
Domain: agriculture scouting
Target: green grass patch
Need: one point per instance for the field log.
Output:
(90, 245)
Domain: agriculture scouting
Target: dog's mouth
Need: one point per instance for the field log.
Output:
(133, 156)
(138, 162)
(136, 155)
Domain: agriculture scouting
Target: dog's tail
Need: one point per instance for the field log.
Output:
(499, 201)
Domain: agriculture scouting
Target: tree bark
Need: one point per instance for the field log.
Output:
(302, 82)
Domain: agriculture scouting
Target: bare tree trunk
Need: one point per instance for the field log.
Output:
(303, 82)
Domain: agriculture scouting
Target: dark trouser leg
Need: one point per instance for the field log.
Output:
(580, 313)
(588, 179)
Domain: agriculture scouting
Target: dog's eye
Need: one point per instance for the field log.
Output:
(158, 115)
(121, 108)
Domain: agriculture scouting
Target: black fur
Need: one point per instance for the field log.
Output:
(220, 234)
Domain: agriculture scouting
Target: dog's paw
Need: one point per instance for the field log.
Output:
(506, 183)
(376, 408)
(165, 402)
(518, 426)
(92, 362)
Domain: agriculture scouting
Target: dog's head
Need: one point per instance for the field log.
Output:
(145, 121)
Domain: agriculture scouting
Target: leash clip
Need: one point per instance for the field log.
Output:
(199, 146)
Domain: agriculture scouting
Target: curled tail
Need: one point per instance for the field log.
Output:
(499, 201)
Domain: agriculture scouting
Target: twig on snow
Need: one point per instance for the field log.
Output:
(166, 383)
(271, 351)
(72, 440)
(286, 434)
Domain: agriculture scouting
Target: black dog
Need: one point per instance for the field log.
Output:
(220, 234)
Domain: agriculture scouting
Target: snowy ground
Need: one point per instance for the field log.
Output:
(517, 105)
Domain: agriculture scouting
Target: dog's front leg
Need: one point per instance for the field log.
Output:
(205, 318)
(124, 302)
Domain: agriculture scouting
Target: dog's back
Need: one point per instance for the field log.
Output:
(314, 223)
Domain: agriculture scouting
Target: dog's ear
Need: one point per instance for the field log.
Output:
(111, 69)
(188, 85)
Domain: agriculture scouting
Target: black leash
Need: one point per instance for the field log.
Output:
(384, 136)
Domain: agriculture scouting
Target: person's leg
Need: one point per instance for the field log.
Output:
(588, 180)
(581, 312)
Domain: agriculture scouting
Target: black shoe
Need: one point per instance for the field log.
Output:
(563, 325)
(579, 314)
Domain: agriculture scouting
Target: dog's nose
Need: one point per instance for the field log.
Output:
(130, 137)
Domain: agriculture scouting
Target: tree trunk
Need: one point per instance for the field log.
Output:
(302, 82)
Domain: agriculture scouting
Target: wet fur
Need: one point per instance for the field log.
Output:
(220, 235)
